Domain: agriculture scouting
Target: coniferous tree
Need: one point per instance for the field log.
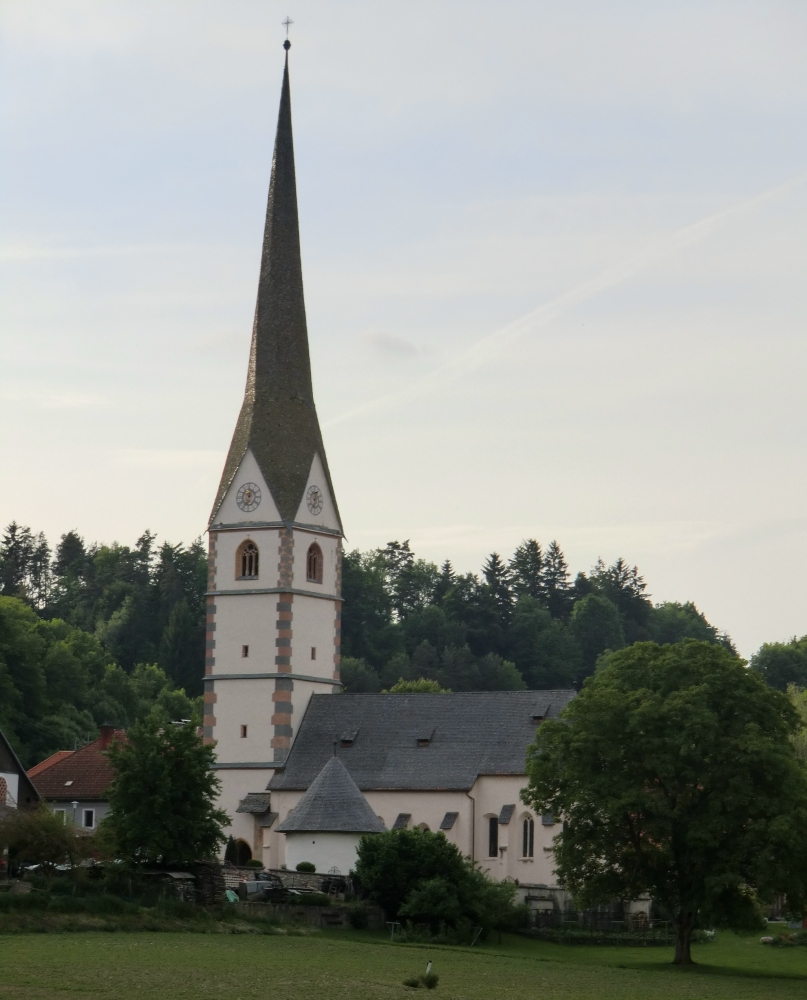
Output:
(525, 570)
(555, 589)
(497, 578)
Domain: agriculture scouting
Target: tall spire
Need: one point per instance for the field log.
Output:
(278, 419)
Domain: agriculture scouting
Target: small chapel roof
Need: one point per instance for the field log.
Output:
(278, 419)
(334, 804)
(470, 733)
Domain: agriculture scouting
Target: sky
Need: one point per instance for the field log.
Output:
(554, 258)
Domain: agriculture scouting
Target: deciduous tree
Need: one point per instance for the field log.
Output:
(675, 775)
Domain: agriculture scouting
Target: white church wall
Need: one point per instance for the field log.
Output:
(491, 792)
(230, 513)
(236, 785)
(327, 516)
(325, 850)
(243, 703)
(312, 648)
(267, 541)
(245, 620)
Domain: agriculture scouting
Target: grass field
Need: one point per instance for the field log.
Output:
(358, 965)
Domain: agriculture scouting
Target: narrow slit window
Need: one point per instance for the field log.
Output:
(246, 561)
(493, 836)
(243, 732)
(528, 839)
(313, 652)
(313, 565)
(245, 651)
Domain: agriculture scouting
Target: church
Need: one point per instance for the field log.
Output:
(306, 770)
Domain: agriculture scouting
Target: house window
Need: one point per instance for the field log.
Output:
(243, 732)
(313, 652)
(59, 813)
(528, 837)
(313, 565)
(88, 820)
(493, 836)
(245, 651)
(246, 561)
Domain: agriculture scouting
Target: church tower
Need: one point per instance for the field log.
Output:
(273, 603)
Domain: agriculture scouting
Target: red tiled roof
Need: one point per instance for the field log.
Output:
(45, 764)
(81, 774)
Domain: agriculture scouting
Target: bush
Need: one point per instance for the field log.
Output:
(254, 863)
(310, 899)
(306, 866)
(430, 980)
(359, 918)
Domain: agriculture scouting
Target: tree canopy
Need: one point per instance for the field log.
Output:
(417, 875)
(162, 801)
(675, 774)
(522, 622)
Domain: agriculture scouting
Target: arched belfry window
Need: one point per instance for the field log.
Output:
(246, 561)
(313, 564)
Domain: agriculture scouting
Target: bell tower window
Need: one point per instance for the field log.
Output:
(313, 565)
(246, 561)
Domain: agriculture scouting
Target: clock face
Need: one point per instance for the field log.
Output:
(314, 499)
(248, 497)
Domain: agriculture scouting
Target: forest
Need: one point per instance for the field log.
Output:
(95, 633)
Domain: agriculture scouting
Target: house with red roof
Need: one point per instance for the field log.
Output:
(75, 783)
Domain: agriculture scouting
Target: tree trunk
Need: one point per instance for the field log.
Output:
(684, 922)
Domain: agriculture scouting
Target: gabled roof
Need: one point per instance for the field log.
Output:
(83, 775)
(332, 804)
(48, 762)
(471, 733)
(278, 419)
(27, 794)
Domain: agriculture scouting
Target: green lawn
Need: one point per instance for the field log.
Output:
(355, 965)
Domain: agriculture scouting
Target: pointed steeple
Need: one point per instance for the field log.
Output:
(278, 419)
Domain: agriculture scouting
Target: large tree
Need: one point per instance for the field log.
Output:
(675, 775)
(163, 797)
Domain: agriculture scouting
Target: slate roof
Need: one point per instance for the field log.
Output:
(83, 775)
(472, 733)
(332, 804)
(278, 419)
(256, 803)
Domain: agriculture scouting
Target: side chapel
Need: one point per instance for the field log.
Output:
(273, 707)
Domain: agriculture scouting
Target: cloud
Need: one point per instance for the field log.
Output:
(389, 345)
(491, 346)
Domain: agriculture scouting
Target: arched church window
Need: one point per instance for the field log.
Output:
(528, 837)
(493, 836)
(246, 561)
(313, 566)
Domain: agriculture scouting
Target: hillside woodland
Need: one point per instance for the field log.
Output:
(94, 633)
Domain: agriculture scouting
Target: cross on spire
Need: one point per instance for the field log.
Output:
(287, 24)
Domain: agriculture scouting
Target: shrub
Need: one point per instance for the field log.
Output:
(306, 866)
(254, 863)
(430, 980)
(359, 918)
(310, 899)
(412, 981)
